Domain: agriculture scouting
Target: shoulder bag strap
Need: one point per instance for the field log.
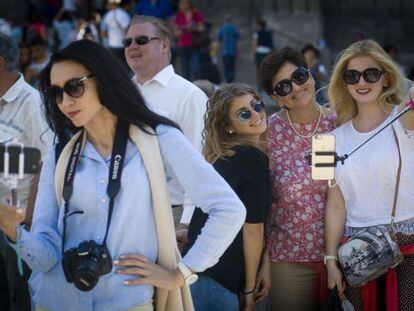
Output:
(397, 182)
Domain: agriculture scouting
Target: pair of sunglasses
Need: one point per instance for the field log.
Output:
(285, 87)
(74, 88)
(139, 40)
(244, 115)
(371, 75)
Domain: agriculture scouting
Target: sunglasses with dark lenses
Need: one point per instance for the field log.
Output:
(74, 88)
(371, 75)
(284, 87)
(139, 40)
(244, 115)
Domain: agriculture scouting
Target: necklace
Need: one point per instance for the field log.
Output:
(296, 131)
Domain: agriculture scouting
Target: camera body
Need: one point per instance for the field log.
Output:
(83, 265)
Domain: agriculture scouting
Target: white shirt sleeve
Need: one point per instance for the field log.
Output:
(41, 248)
(191, 117)
(210, 192)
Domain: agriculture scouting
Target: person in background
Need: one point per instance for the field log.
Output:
(21, 119)
(295, 223)
(114, 26)
(65, 28)
(234, 139)
(88, 29)
(262, 43)
(365, 91)
(36, 27)
(24, 57)
(4, 25)
(39, 57)
(188, 25)
(16, 30)
(157, 8)
(227, 38)
(318, 71)
(148, 53)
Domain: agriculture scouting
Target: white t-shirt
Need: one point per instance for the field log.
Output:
(367, 179)
(115, 22)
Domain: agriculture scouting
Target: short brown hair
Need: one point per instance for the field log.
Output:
(272, 63)
(162, 29)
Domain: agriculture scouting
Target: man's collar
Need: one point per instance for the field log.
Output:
(14, 90)
(163, 77)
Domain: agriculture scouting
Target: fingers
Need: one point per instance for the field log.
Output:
(133, 271)
(10, 216)
(341, 290)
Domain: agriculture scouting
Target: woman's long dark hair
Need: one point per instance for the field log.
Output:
(116, 91)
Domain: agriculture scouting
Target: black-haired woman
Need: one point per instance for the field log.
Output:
(88, 94)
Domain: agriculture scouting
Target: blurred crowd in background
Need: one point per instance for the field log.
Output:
(201, 51)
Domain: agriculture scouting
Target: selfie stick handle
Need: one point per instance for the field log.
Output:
(12, 180)
(410, 106)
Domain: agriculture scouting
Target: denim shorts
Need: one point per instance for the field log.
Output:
(208, 295)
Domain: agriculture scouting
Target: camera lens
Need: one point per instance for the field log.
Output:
(86, 275)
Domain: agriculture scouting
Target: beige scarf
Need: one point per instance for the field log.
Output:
(168, 254)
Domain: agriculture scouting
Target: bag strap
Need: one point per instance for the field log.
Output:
(397, 182)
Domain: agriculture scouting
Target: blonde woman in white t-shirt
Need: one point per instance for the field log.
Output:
(365, 91)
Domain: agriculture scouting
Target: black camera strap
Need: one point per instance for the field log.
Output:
(114, 179)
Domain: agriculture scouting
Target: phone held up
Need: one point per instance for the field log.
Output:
(323, 157)
(18, 160)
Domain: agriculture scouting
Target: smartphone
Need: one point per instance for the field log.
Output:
(32, 158)
(323, 143)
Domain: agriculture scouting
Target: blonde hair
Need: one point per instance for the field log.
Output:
(342, 102)
(217, 141)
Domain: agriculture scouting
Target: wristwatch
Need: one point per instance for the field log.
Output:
(329, 257)
(189, 277)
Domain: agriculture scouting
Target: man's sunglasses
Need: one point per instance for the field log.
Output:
(74, 88)
(139, 40)
(371, 75)
(285, 87)
(244, 115)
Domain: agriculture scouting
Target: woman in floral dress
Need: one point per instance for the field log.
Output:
(295, 224)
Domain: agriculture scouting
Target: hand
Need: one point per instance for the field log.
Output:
(148, 272)
(335, 278)
(181, 234)
(247, 302)
(10, 217)
(263, 279)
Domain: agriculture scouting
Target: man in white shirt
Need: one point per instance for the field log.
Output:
(147, 51)
(21, 119)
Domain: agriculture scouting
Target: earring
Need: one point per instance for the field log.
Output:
(230, 132)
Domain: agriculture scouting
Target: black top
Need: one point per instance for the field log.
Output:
(265, 38)
(247, 172)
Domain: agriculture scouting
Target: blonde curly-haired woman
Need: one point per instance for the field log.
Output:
(234, 135)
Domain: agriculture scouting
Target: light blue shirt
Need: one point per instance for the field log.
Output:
(132, 228)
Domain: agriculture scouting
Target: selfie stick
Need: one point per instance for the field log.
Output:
(410, 106)
(12, 181)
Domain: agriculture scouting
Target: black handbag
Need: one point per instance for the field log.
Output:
(373, 250)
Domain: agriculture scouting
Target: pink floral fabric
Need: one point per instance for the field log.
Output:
(295, 223)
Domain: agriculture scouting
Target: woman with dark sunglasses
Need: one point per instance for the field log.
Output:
(294, 228)
(234, 137)
(365, 91)
(111, 242)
